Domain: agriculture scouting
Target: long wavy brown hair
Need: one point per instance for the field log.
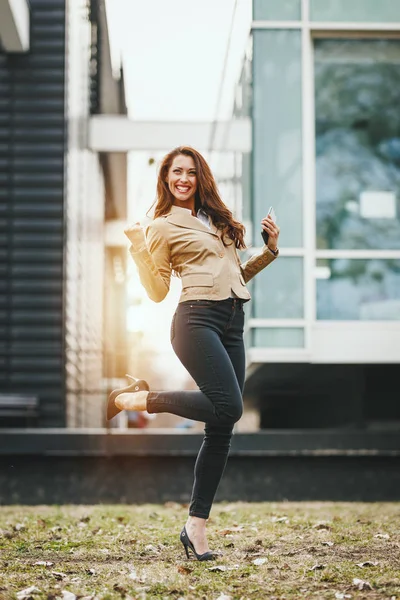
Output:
(207, 196)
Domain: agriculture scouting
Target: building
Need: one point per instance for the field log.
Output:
(62, 292)
(319, 87)
(321, 83)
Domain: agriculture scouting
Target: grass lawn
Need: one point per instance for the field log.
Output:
(269, 550)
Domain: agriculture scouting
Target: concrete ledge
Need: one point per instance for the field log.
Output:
(167, 442)
(138, 479)
(56, 466)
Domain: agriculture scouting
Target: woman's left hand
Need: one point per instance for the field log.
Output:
(273, 232)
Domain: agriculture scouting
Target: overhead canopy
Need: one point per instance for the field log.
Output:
(114, 133)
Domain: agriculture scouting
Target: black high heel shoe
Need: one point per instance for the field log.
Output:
(137, 385)
(188, 544)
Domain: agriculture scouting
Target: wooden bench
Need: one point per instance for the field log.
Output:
(18, 406)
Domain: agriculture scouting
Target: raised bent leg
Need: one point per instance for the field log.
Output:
(219, 398)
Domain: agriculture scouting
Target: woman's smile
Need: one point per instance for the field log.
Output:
(182, 189)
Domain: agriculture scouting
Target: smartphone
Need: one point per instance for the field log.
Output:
(264, 234)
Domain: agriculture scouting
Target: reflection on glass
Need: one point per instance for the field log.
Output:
(242, 108)
(355, 10)
(355, 289)
(278, 337)
(277, 132)
(276, 10)
(278, 290)
(357, 100)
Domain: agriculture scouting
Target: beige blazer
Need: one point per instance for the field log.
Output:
(181, 243)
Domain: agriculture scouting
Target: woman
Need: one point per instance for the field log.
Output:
(195, 235)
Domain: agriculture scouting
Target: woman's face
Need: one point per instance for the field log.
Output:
(182, 180)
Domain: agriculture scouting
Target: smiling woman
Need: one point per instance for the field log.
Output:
(195, 235)
(182, 181)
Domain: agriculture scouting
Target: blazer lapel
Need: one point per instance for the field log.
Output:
(183, 218)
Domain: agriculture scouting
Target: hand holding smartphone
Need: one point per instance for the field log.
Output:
(264, 233)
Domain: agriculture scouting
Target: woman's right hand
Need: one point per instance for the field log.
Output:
(135, 235)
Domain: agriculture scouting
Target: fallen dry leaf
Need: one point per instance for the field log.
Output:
(58, 575)
(230, 530)
(27, 593)
(85, 519)
(184, 570)
(367, 563)
(133, 575)
(66, 595)
(223, 596)
(340, 595)
(217, 568)
(382, 536)
(362, 585)
(317, 567)
(119, 588)
(322, 525)
(7, 534)
(97, 530)
(259, 561)
(327, 543)
(280, 519)
(174, 505)
(44, 563)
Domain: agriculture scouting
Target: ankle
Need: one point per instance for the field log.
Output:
(132, 401)
(196, 524)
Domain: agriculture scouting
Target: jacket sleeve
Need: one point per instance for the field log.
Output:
(257, 263)
(152, 258)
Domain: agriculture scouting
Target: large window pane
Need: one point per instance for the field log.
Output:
(276, 10)
(242, 108)
(278, 337)
(277, 152)
(278, 290)
(355, 10)
(357, 100)
(355, 289)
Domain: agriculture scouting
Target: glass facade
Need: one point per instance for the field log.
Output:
(375, 11)
(277, 132)
(358, 289)
(356, 88)
(277, 10)
(278, 337)
(242, 109)
(278, 292)
(357, 125)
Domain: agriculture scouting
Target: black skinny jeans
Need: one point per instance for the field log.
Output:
(207, 337)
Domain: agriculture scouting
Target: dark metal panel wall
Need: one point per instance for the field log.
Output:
(32, 144)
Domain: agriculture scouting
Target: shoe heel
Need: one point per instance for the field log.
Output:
(184, 541)
(186, 550)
